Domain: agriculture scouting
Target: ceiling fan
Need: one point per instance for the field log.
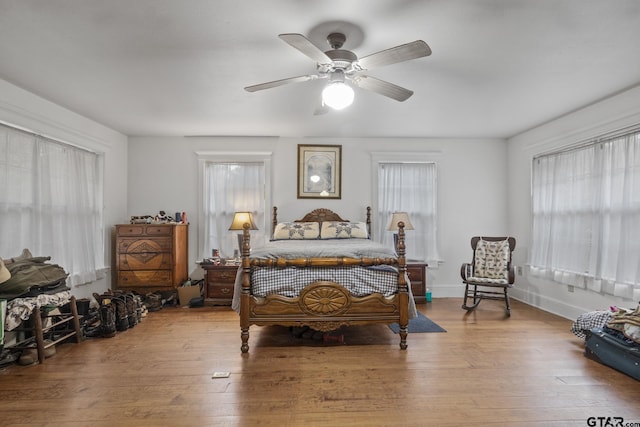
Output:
(340, 66)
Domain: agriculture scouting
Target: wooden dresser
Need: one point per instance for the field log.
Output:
(151, 257)
(417, 272)
(218, 283)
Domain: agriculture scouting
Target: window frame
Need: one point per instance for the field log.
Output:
(430, 157)
(77, 278)
(588, 270)
(206, 157)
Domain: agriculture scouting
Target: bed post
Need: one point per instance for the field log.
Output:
(369, 222)
(403, 291)
(246, 288)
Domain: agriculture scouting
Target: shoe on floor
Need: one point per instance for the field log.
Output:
(28, 357)
(49, 351)
(297, 331)
(7, 357)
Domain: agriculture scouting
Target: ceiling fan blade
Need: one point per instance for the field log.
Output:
(382, 87)
(405, 52)
(281, 82)
(303, 44)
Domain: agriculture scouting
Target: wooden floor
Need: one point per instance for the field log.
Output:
(527, 370)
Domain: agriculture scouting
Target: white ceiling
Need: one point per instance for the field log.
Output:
(178, 67)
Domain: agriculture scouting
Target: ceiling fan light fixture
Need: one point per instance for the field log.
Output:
(340, 65)
(337, 95)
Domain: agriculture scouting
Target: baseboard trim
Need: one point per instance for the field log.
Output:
(553, 306)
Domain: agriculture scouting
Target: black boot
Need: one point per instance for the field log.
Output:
(107, 320)
(121, 317)
(105, 326)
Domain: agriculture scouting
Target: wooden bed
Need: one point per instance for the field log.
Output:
(323, 305)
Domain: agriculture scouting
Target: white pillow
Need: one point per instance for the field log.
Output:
(296, 231)
(344, 230)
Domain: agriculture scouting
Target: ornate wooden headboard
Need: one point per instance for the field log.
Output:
(320, 215)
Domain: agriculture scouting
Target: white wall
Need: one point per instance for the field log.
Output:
(472, 186)
(608, 115)
(25, 110)
(477, 193)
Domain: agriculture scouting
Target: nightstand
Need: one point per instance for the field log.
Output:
(417, 272)
(218, 283)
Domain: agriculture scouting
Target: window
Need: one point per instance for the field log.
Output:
(51, 202)
(586, 211)
(231, 183)
(409, 187)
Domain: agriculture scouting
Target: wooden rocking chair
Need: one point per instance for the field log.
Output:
(490, 274)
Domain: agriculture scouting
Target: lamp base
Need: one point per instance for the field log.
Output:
(240, 242)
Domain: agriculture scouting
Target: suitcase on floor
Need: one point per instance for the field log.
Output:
(614, 351)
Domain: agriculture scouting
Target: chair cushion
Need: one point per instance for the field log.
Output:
(491, 260)
(486, 281)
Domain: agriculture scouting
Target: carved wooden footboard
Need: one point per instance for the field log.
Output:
(323, 305)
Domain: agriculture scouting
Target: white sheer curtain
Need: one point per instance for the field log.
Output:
(51, 203)
(228, 188)
(411, 188)
(586, 216)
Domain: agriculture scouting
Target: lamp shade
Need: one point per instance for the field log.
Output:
(396, 217)
(240, 218)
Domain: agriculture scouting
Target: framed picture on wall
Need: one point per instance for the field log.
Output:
(319, 171)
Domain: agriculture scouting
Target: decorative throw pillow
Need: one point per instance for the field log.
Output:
(344, 230)
(296, 231)
(492, 259)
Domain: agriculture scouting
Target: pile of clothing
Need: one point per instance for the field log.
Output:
(29, 276)
(622, 320)
(28, 283)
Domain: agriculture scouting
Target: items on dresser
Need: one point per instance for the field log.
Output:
(151, 257)
(160, 218)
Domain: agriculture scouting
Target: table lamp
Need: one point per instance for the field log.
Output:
(396, 217)
(239, 220)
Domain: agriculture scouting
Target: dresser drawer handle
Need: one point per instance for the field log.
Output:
(225, 290)
(225, 276)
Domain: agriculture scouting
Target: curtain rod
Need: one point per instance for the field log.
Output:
(624, 131)
(40, 135)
